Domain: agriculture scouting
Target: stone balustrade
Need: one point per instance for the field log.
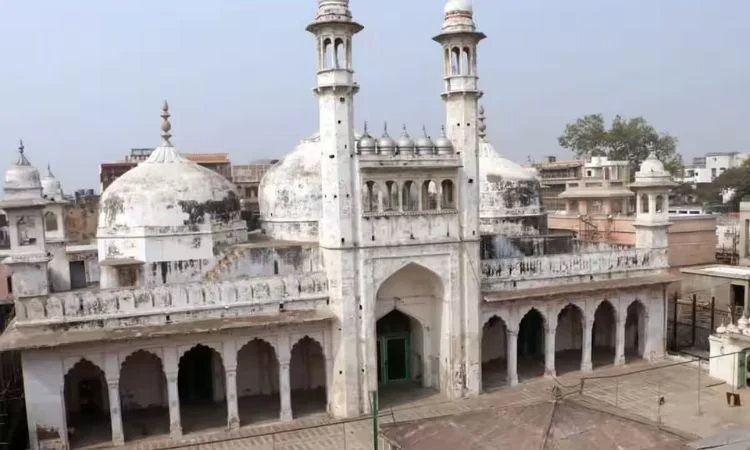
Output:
(174, 303)
(574, 264)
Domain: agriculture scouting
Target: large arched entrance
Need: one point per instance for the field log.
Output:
(201, 388)
(307, 377)
(87, 405)
(494, 353)
(569, 339)
(531, 345)
(635, 331)
(409, 307)
(257, 382)
(143, 396)
(604, 335)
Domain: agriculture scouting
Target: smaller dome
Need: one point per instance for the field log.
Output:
(405, 142)
(721, 329)
(51, 187)
(652, 166)
(458, 6)
(443, 145)
(366, 143)
(22, 179)
(386, 144)
(424, 144)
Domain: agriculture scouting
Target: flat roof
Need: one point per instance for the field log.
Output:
(720, 270)
(37, 337)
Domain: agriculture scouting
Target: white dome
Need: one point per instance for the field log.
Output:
(651, 166)
(51, 187)
(458, 5)
(290, 194)
(22, 179)
(493, 164)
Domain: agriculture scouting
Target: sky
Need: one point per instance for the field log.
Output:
(82, 81)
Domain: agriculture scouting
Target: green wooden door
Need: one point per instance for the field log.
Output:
(394, 358)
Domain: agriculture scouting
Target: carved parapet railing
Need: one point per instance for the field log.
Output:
(175, 303)
(589, 263)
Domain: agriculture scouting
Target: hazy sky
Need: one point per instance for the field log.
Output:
(82, 81)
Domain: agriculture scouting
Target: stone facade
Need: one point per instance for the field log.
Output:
(369, 275)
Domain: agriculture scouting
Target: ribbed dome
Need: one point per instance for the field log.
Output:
(22, 180)
(167, 194)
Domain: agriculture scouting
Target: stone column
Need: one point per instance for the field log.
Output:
(113, 385)
(233, 415)
(746, 299)
(620, 343)
(625, 206)
(549, 349)
(173, 393)
(588, 328)
(285, 391)
(512, 356)
(329, 376)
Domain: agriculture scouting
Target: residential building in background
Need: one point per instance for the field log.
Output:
(554, 176)
(705, 169)
(247, 179)
(109, 172)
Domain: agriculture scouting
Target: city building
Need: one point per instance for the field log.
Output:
(109, 172)
(555, 176)
(705, 169)
(370, 273)
(247, 178)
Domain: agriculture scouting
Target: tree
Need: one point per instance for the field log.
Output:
(626, 140)
(736, 179)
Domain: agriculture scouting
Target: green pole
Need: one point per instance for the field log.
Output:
(374, 408)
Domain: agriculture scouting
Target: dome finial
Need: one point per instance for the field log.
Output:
(385, 128)
(49, 170)
(22, 160)
(20, 146)
(442, 131)
(424, 130)
(482, 124)
(365, 127)
(166, 126)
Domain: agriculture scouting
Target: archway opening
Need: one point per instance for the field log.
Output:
(201, 389)
(604, 335)
(258, 382)
(87, 405)
(408, 338)
(307, 377)
(569, 340)
(494, 353)
(143, 396)
(531, 345)
(635, 331)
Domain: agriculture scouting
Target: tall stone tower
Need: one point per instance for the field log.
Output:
(334, 29)
(652, 185)
(24, 208)
(461, 95)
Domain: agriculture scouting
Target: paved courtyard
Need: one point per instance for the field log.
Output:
(636, 388)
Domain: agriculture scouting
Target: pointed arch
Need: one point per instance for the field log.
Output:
(86, 399)
(604, 334)
(636, 330)
(257, 381)
(307, 376)
(494, 348)
(569, 338)
(50, 221)
(429, 195)
(143, 395)
(447, 195)
(201, 388)
(531, 343)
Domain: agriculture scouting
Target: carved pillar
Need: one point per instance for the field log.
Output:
(229, 356)
(285, 392)
(620, 343)
(512, 356)
(588, 326)
(113, 387)
(549, 348)
(173, 393)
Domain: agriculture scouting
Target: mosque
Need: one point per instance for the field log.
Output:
(375, 270)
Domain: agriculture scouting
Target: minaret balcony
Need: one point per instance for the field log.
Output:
(461, 83)
(332, 78)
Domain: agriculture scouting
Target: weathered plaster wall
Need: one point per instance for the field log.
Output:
(252, 261)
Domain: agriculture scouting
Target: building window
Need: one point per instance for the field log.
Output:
(713, 173)
(127, 276)
(644, 203)
(50, 221)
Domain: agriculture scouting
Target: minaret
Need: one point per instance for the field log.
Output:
(652, 185)
(461, 94)
(24, 208)
(54, 231)
(334, 29)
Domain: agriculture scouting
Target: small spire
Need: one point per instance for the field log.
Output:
(442, 131)
(22, 161)
(366, 133)
(49, 170)
(404, 132)
(482, 125)
(166, 127)
(424, 130)
(385, 128)
(20, 146)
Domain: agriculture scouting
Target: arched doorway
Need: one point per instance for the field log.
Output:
(604, 335)
(87, 405)
(143, 396)
(257, 382)
(494, 353)
(569, 339)
(307, 377)
(531, 344)
(408, 337)
(201, 388)
(635, 331)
